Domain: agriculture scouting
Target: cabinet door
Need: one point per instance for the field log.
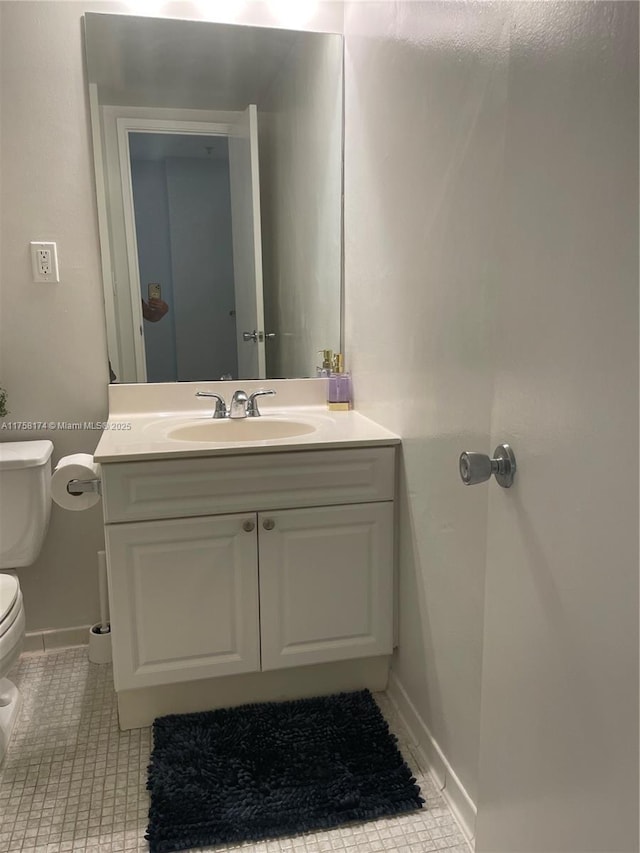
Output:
(326, 583)
(184, 599)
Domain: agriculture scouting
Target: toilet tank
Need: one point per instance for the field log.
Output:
(25, 500)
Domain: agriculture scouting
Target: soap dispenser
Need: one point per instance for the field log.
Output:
(339, 392)
(327, 363)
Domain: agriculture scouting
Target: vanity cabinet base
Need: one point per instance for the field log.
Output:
(247, 579)
(139, 707)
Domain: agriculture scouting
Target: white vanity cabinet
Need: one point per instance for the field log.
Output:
(236, 564)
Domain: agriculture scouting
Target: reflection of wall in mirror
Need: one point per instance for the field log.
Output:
(300, 183)
(202, 263)
(183, 229)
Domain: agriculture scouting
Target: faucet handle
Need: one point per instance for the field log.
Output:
(220, 410)
(252, 405)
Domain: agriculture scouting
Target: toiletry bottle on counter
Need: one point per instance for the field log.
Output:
(327, 363)
(339, 392)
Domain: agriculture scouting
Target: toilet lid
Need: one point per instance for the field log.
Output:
(9, 589)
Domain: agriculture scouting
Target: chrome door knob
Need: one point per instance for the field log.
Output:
(474, 467)
(478, 467)
(250, 336)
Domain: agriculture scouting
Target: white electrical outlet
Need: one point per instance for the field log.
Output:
(44, 262)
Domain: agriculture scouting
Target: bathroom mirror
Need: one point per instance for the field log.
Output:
(218, 155)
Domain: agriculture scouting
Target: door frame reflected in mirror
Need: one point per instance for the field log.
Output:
(244, 189)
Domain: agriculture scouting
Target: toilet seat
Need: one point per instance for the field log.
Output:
(10, 602)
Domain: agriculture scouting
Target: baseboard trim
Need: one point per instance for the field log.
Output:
(56, 638)
(139, 706)
(433, 759)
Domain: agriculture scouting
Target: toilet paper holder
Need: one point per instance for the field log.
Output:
(80, 487)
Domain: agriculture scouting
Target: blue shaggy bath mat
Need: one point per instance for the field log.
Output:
(273, 769)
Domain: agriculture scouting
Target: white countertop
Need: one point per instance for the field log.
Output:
(142, 416)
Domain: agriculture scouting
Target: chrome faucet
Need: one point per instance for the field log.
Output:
(242, 406)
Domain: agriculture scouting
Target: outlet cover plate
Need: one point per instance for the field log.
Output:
(44, 262)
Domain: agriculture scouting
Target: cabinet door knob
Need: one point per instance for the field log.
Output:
(268, 524)
(248, 526)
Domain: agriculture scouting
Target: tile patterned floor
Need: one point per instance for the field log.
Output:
(72, 782)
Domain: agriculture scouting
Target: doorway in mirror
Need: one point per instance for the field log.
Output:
(193, 230)
(182, 210)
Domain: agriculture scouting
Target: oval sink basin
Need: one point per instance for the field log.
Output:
(245, 429)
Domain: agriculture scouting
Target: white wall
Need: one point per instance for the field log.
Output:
(300, 124)
(52, 339)
(425, 99)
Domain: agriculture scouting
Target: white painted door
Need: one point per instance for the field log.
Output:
(326, 584)
(559, 722)
(244, 178)
(184, 599)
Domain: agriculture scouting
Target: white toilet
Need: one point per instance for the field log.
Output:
(25, 506)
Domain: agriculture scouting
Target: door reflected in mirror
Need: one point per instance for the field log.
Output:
(218, 153)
